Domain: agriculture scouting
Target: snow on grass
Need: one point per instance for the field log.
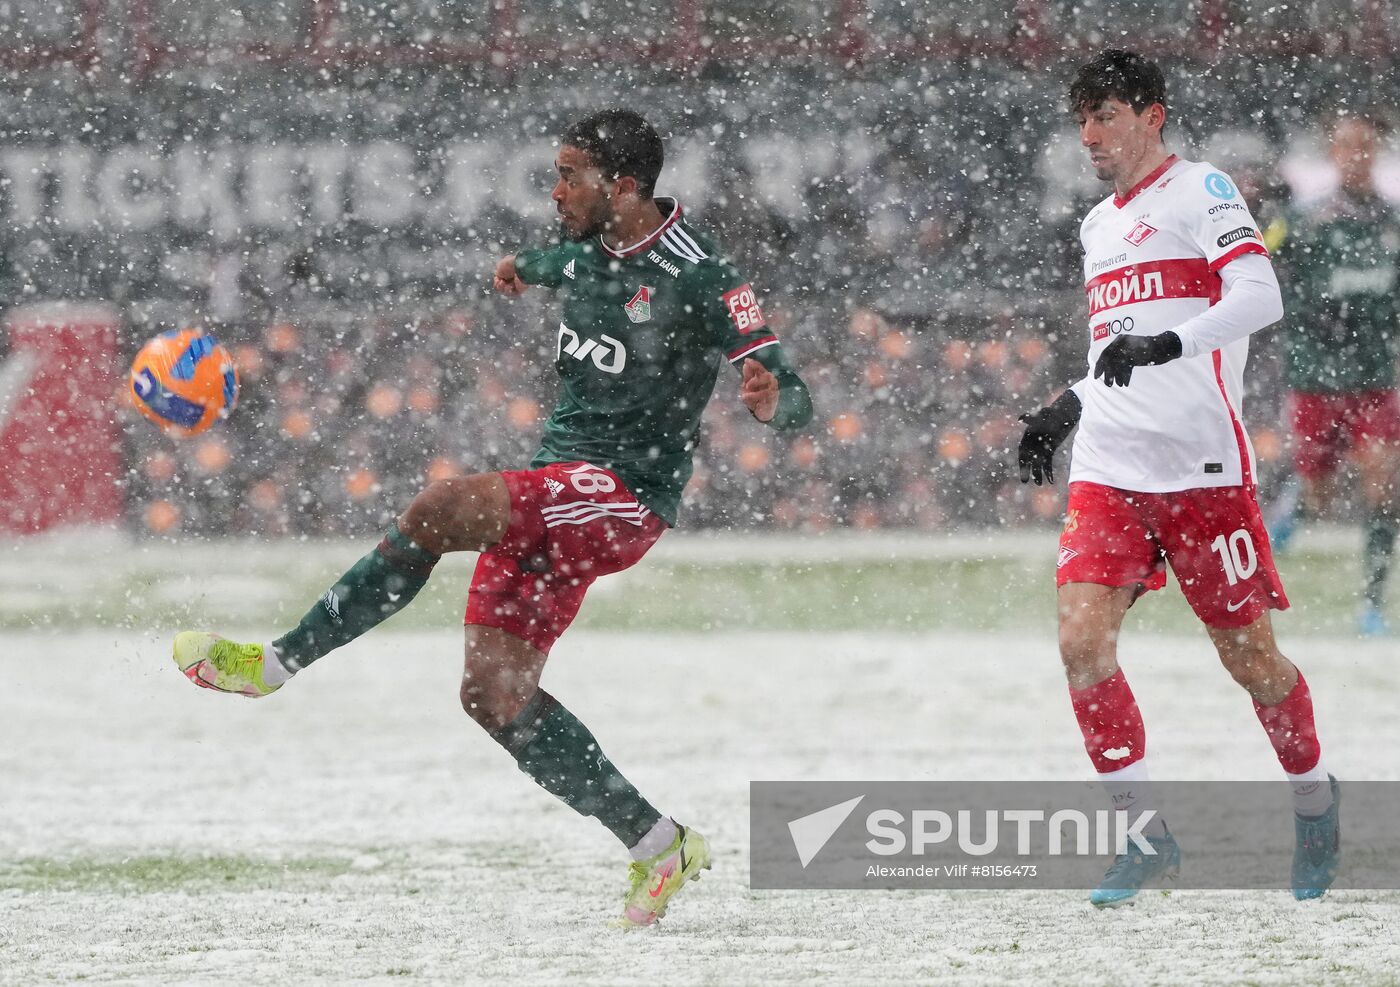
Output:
(989, 581)
(357, 826)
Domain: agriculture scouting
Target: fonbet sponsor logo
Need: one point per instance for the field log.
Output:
(743, 309)
(608, 354)
(1236, 235)
(977, 833)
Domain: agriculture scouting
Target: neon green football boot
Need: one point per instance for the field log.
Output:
(655, 881)
(214, 662)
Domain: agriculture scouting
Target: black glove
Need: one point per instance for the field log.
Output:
(1115, 364)
(1045, 431)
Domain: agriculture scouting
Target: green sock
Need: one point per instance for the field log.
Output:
(373, 590)
(1381, 526)
(559, 752)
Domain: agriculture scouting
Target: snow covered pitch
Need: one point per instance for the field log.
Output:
(357, 826)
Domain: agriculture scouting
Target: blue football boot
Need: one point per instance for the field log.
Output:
(1319, 850)
(1132, 870)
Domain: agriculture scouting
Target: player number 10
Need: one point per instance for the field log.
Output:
(1237, 555)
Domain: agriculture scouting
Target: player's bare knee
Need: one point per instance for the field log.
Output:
(1084, 634)
(1255, 665)
(1088, 658)
(481, 700)
(498, 681)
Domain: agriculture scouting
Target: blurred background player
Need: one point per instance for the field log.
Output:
(650, 312)
(1177, 278)
(1340, 261)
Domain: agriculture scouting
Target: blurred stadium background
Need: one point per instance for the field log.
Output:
(326, 184)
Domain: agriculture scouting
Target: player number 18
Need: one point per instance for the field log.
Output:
(1237, 555)
(586, 480)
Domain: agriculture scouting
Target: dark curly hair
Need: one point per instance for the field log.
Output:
(620, 143)
(1117, 73)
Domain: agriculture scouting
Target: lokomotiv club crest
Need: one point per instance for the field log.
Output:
(639, 308)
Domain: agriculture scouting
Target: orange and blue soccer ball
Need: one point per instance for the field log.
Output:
(184, 381)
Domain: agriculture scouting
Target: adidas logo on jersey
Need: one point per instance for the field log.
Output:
(554, 486)
(569, 270)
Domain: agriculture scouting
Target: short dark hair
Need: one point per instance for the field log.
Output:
(620, 143)
(1117, 73)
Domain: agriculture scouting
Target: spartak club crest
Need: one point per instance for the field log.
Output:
(639, 308)
(1139, 233)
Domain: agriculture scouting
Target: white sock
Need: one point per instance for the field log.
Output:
(274, 672)
(658, 839)
(1130, 790)
(1312, 791)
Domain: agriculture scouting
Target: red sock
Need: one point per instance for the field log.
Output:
(1110, 721)
(1290, 727)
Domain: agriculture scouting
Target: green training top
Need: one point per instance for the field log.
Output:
(643, 335)
(1340, 265)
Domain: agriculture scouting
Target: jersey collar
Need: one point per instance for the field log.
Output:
(652, 237)
(1119, 201)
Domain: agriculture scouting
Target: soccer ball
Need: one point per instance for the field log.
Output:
(184, 381)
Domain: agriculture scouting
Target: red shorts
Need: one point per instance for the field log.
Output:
(1213, 537)
(1324, 424)
(569, 524)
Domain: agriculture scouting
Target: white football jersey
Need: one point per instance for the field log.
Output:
(1151, 261)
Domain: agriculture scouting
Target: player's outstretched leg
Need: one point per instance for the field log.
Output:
(500, 691)
(466, 513)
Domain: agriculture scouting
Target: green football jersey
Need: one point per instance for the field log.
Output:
(643, 335)
(1340, 264)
